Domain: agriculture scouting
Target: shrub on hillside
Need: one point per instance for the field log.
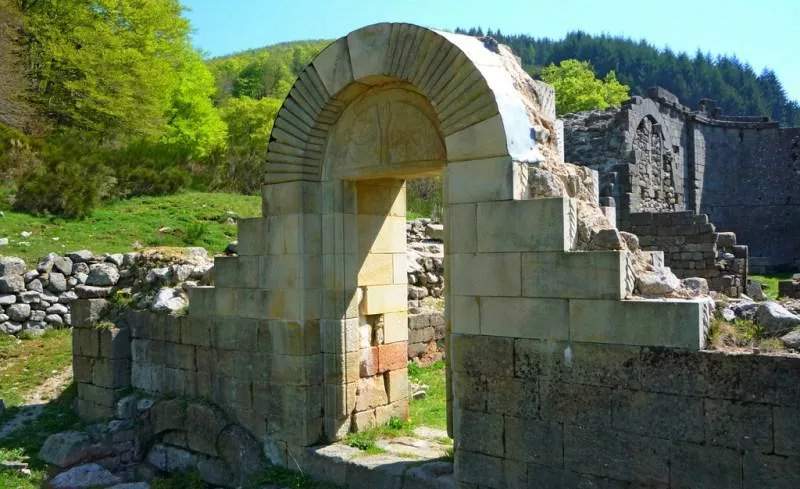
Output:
(17, 153)
(69, 185)
(150, 168)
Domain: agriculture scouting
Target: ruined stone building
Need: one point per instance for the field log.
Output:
(655, 155)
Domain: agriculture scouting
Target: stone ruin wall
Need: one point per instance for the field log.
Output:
(656, 155)
(567, 414)
(560, 376)
(692, 248)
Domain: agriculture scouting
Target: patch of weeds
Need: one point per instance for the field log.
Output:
(122, 298)
(194, 232)
(183, 311)
(364, 441)
(286, 478)
(367, 440)
(449, 454)
(104, 325)
(737, 334)
(771, 345)
(444, 440)
(188, 480)
(11, 454)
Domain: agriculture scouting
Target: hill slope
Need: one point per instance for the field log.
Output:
(270, 71)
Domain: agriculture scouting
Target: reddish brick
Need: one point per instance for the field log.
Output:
(392, 356)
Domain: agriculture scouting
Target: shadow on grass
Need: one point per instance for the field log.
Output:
(25, 443)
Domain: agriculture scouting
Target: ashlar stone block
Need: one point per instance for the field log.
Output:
(333, 66)
(579, 275)
(525, 317)
(524, 225)
(486, 274)
(384, 298)
(481, 180)
(377, 269)
(664, 322)
(461, 228)
(378, 234)
(486, 139)
(369, 49)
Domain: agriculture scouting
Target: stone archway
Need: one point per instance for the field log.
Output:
(384, 103)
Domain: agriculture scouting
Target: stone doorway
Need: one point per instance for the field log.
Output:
(387, 103)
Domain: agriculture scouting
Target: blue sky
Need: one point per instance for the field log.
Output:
(763, 33)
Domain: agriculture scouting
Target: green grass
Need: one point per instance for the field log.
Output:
(194, 218)
(189, 480)
(24, 445)
(770, 283)
(26, 363)
(281, 477)
(366, 440)
(432, 410)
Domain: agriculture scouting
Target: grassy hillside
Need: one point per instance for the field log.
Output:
(187, 219)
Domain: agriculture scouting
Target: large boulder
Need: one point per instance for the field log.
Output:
(11, 265)
(775, 319)
(11, 284)
(81, 256)
(792, 340)
(84, 476)
(103, 275)
(657, 283)
(756, 291)
(66, 449)
(18, 312)
(169, 300)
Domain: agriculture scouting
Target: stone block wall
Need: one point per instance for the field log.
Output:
(426, 336)
(693, 248)
(566, 414)
(101, 359)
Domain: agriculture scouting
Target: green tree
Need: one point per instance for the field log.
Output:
(122, 69)
(578, 89)
(249, 127)
(193, 122)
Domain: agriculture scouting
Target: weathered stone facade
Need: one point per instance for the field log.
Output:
(567, 414)
(692, 248)
(656, 155)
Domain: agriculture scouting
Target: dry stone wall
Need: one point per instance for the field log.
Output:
(32, 301)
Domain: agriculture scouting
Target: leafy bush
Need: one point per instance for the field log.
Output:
(70, 179)
(150, 168)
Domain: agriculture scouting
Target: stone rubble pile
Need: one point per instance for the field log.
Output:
(32, 301)
(775, 319)
(424, 259)
(148, 438)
